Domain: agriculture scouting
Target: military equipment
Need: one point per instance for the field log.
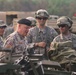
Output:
(65, 20)
(42, 13)
(33, 20)
(32, 65)
(40, 67)
(60, 45)
(47, 67)
(9, 69)
(6, 65)
(5, 56)
(26, 64)
(64, 54)
(2, 24)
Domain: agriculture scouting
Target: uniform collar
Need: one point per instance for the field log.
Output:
(21, 37)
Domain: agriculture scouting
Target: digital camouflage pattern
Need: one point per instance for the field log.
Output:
(63, 49)
(16, 43)
(8, 31)
(36, 35)
(69, 37)
(65, 20)
(1, 42)
(33, 20)
(42, 13)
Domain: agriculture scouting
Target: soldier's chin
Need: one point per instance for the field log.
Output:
(42, 24)
(25, 34)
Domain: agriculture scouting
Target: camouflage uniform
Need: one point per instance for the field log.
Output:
(1, 42)
(70, 37)
(64, 20)
(8, 31)
(2, 26)
(36, 35)
(33, 20)
(16, 43)
(63, 47)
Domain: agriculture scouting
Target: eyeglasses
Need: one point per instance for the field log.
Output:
(42, 18)
(63, 25)
(3, 27)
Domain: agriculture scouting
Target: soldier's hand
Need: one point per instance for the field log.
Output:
(41, 44)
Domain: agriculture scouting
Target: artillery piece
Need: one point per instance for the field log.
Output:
(33, 64)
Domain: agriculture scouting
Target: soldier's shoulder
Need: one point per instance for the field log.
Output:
(11, 36)
(33, 29)
(73, 36)
(57, 38)
(49, 27)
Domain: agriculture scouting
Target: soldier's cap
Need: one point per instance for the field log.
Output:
(25, 22)
(2, 24)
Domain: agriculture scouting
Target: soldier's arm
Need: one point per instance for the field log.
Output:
(33, 45)
(54, 33)
(29, 37)
(8, 44)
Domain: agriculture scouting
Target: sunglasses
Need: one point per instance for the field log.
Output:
(63, 25)
(3, 27)
(42, 18)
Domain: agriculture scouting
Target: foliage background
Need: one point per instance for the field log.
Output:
(54, 7)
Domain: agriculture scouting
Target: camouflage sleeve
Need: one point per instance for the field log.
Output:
(1, 43)
(57, 39)
(29, 37)
(9, 44)
(74, 40)
(54, 33)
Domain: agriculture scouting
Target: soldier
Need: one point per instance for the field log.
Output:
(33, 20)
(63, 47)
(41, 36)
(2, 29)
(16, 41)
(65, 23)
(8, 31)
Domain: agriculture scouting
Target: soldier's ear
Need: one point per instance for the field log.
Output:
(19, 25)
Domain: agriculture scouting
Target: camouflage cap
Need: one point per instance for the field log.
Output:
(65, 20)
(33, 21)
(2, 24)
(42, 13)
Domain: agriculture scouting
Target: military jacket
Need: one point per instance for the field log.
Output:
(16, 43)
(36, 35)
(1, 42)
(63, 48)
(69, 37)
(8, 31)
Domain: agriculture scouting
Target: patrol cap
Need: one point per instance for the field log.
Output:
(65, 20)
(25, 22)
(2, 24)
